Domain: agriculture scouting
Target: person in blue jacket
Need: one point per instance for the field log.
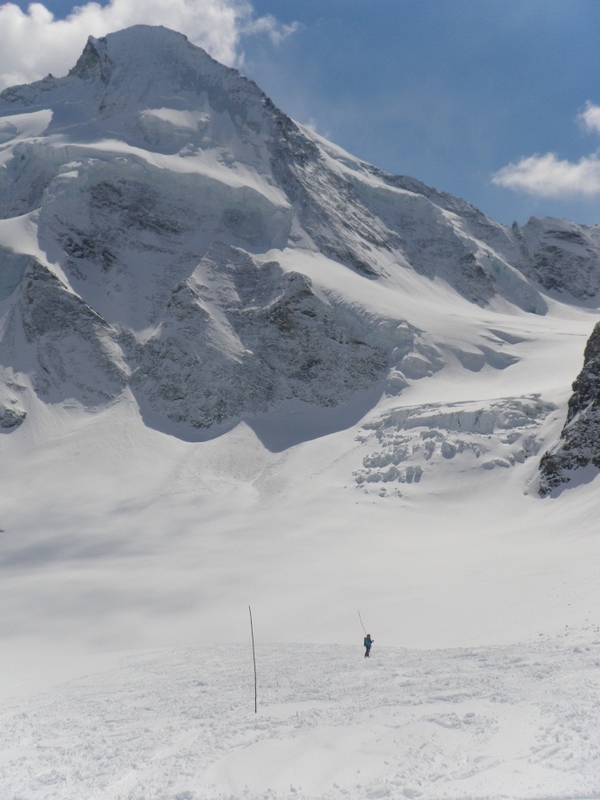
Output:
(368, 642)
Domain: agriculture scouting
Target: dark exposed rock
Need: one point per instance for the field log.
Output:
(75, 349)
(93, 62)
(579, 443)
(272, 339)
(562, 255)
(11, 417)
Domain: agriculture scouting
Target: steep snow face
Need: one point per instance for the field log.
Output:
(127, 233)
(473, 254)
(151, 87)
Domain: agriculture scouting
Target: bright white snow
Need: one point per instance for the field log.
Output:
(129, 554)
(497, 722)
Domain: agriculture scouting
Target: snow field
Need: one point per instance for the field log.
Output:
(157, 539)
(184, 224)
(517, 722)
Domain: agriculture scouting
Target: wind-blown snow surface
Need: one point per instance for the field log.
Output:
(464, 723)
(241, 366)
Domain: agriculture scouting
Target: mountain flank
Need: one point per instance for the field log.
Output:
(167, 233)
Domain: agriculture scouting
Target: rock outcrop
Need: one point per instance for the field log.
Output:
(579, 443)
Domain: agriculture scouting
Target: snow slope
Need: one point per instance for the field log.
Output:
(239, 366)
(466, 723)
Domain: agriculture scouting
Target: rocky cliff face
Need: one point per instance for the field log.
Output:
(562, 256)
(579, 443)
(240, 336)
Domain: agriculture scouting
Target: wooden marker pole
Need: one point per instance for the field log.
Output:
(254, 662)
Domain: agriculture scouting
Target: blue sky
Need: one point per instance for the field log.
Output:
(448, 91)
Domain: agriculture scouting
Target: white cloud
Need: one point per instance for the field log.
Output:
(276, 31)
(590, 118)
(549, 176)
(34, 43)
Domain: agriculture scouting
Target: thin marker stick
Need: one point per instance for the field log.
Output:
(254, 662)
(361, 623)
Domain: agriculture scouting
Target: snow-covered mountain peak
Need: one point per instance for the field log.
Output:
(223, 263)
(151, 88)
(140, 64)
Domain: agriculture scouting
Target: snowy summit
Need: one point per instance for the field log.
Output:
(239, 365)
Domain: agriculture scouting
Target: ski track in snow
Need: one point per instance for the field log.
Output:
(518, 721)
